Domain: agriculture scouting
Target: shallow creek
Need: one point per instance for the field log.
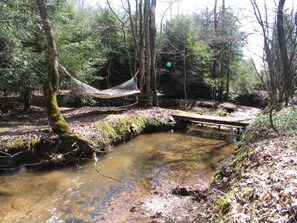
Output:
(135, 183)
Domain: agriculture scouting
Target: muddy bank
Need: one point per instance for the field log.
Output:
(27, 140)
(259, 184)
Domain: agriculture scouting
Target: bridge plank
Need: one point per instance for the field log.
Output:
(210, 119)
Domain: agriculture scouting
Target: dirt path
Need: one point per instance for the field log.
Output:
(246, 114)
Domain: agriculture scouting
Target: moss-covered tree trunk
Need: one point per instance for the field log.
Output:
(50, 87)
(69, 141)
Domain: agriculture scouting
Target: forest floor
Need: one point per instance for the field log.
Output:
(18, 125)
(259, 185)
(34, 124)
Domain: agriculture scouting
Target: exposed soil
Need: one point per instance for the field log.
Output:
(264, 191)
(34, 124)
(19, 129)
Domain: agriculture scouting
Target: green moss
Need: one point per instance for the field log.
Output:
(220, 113)
(33, 142)
(238, 164)
(246, 190)
(218, 175)
(16, 144)
(238, 159)
(124, 128)
(141, 122)
(4, 130)
(61, 126)
(224, 202)
(58, 123)
(108, 133)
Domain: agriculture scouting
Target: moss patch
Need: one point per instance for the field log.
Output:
(220, 113)
(17, 143)
(58, 123)
(122, 129)
(4, 130)
(224, 203)
(109, 134)
(33, 143)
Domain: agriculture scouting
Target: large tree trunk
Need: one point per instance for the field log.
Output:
(185, 73)
(215, 63)
(141, 48)
(50, 88)
(153, 51)
(283, 50)
(27, 99)
(222, 55)
(147, 46)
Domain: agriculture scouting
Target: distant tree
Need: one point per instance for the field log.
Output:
(110, 37)
(21, 63)
(220, 28)
(243, 78)
(190, 57)
(140, 41)
(153, 50)
(287, 44)
(79, 41)
(279, 37)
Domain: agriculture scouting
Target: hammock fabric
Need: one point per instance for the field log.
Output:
(127, 88)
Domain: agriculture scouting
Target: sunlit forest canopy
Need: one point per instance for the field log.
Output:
(198, 55)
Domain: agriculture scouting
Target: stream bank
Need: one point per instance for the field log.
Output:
(27, 140)
(258, 185)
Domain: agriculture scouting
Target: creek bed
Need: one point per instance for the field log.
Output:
(134, 184)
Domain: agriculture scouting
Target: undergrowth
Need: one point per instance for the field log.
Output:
(260, 130)
(284, 120)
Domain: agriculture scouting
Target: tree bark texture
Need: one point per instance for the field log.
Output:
(50, 87)
(27, 99)
(69, 142)
(147, 46)
(222, 56)
(215, 63)
(185, 72)
(140, 79)
(285, 63)
(153, 51)
(268, 57)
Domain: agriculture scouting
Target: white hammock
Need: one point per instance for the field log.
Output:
(127, 88)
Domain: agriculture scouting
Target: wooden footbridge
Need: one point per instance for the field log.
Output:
(239, 124)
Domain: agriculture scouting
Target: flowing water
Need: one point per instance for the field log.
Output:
(84, 195)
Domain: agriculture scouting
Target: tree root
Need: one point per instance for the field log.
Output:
(72, 148)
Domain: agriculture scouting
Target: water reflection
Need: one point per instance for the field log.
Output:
(82, 195)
